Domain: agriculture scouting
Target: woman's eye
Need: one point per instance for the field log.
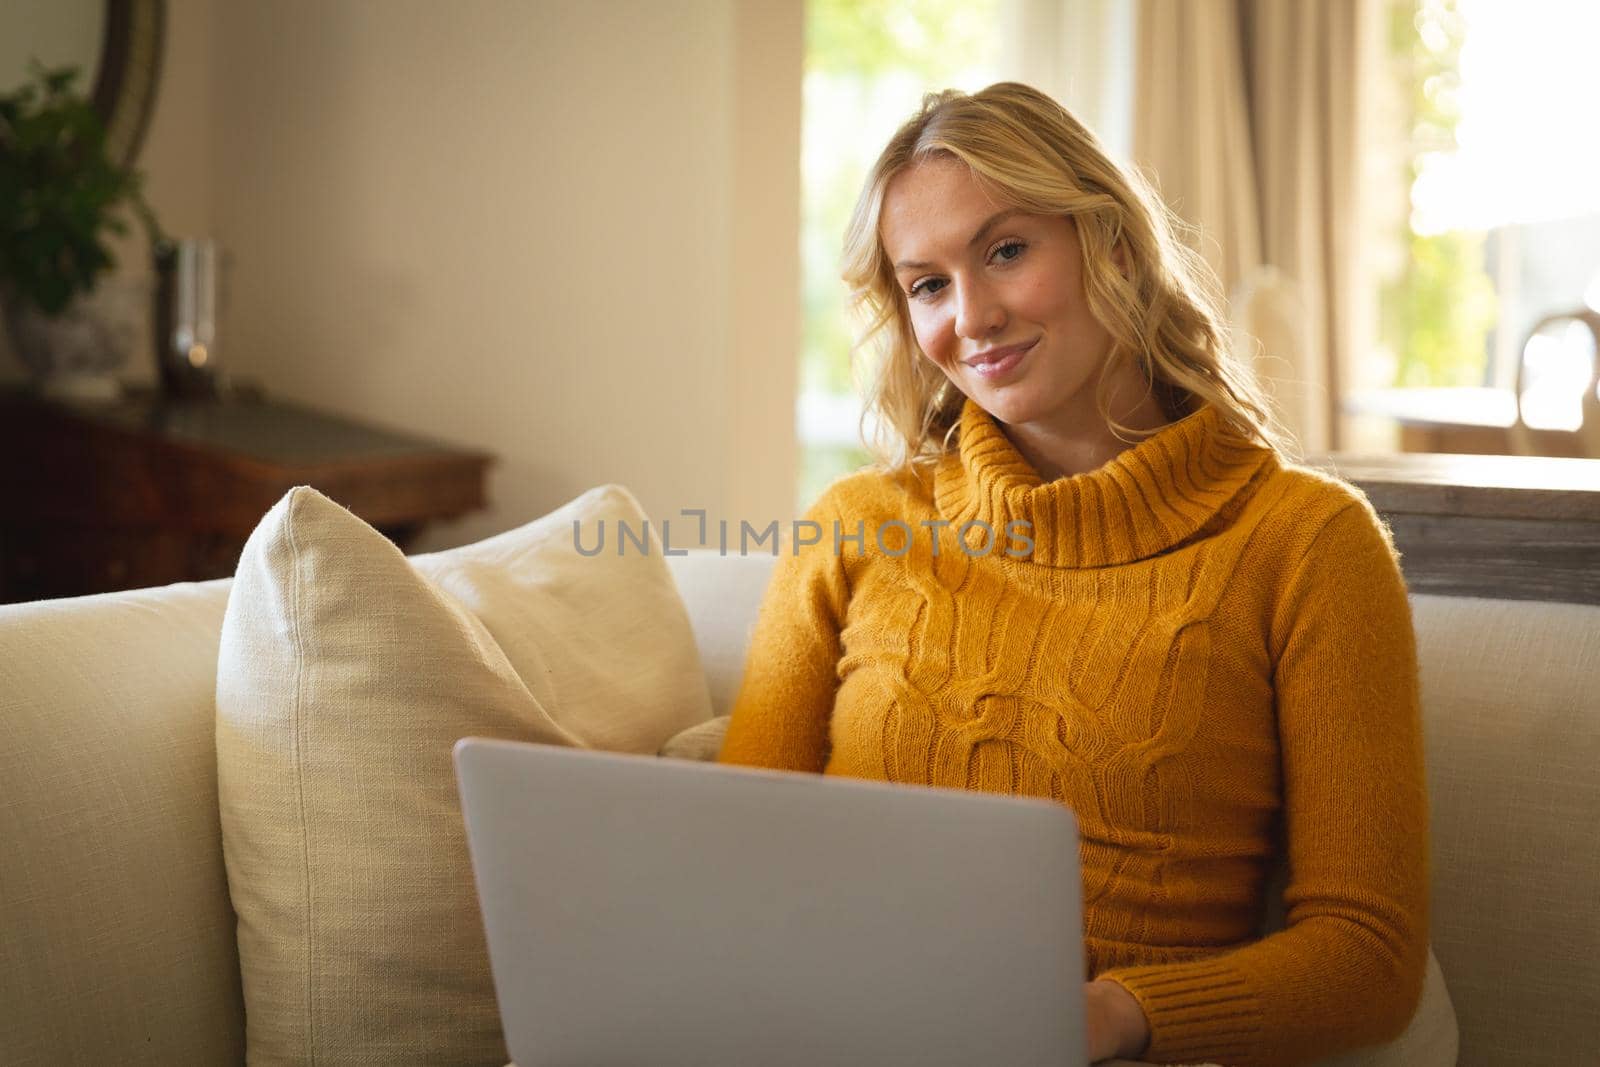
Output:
(1010, 251)
(925, 288)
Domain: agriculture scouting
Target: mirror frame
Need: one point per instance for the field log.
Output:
(129, 73)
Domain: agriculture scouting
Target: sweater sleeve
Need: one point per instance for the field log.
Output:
(1347, 969)
(785, 701)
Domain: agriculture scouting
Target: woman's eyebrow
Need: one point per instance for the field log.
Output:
(983, 231)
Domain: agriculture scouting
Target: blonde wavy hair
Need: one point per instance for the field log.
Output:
(1160, 307)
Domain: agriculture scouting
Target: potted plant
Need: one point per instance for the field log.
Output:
(61, 199)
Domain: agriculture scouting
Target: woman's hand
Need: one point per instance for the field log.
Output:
(1115, 1023)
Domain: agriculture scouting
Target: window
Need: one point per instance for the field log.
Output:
(868, 62)
(1501, 227)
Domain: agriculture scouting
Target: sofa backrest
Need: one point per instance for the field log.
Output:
(722, 595)
(1511, 714)
(115, 929)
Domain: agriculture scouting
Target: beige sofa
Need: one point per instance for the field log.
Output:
(117, 935)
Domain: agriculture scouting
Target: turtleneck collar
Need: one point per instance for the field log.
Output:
(1145, 500)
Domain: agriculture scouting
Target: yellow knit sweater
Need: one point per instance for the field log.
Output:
(1207, 654)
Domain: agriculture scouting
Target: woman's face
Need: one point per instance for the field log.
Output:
(995, 297)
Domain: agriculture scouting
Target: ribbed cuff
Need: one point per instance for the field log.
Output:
(1201, 1011)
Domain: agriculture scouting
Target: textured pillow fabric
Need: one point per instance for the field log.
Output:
(346, 673)
(701, 742)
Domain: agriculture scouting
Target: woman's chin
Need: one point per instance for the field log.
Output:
(1009, 406)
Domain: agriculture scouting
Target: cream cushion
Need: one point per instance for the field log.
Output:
(116, 942)
(700, 742)
(1511, 716)
(346, 673)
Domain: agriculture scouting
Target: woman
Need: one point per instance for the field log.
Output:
(1085, 571)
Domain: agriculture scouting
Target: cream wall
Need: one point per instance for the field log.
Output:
(526, 227)
(564, 231)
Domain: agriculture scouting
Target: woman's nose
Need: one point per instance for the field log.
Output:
(979, 312)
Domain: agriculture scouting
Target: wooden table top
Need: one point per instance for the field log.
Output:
(267, 430)
(246, 451)
(1506, 527)
(1534, 487)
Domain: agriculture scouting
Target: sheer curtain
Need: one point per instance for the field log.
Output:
(1081, 53)
(1247, 112)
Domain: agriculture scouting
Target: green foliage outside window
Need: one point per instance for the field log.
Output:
(868, 62)
(936, 40)
(1437, 316)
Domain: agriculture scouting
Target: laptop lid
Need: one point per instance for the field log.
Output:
(665, 912)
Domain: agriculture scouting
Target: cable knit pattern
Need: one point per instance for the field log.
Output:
(1207, 654)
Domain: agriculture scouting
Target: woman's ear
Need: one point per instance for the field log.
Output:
(1119, 256)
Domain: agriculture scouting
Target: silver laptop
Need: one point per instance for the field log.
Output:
(645, 911)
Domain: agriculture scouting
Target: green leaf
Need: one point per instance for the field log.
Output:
(61, 195)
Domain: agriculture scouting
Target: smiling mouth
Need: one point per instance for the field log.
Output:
(997, 361)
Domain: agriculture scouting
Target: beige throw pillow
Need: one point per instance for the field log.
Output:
(346, 674)
(702, 742)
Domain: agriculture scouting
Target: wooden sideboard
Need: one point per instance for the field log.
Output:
(1510, 527)
(97, 497)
